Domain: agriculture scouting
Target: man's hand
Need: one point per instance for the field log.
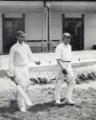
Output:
(10, 74)
(64, 71)
(37, 62)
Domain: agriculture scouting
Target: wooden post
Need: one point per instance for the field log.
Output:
(83, 31)
(3, 16)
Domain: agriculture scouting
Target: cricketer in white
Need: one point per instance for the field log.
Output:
(64, 69)
(20, 57)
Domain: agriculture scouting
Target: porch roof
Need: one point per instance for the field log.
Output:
(64, 6)
(20, 5)
(74, 6)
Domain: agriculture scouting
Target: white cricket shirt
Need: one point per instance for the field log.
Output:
(63, 52)
(20, 55)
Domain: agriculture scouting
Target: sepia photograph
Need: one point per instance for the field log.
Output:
(47, 59)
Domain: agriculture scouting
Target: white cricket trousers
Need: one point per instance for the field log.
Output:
(70, 81)
(22, 77)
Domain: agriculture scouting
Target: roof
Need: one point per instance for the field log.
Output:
(49, 0)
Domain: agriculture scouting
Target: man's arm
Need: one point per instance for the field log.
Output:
(64, 71)
(59, 60)
(31, 57)
(58, 56)
(11, 60)
(59, 63)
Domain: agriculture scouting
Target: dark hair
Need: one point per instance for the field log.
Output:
(20, 33)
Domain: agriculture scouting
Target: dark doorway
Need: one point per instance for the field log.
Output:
(10, 27)
(76, 28)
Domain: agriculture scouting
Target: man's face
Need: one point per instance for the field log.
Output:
(21, 39)
(66, 40)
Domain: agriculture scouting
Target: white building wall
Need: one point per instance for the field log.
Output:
(90, 30)
(34, 25)
(56, 23)
(56, 26)
(89, 27)
(13, 14)
(8, 15)
(36, 29)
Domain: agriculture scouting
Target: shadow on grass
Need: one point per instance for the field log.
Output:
(42, 106)
(45, 106)
(12, 112)
(9, 117)
(13, 107)
(8, 112)
(10, 109)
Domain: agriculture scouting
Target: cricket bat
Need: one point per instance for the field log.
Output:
(21, 91)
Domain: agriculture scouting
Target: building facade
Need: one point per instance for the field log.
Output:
(44, 24)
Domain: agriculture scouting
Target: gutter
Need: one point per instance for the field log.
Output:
(48, 25)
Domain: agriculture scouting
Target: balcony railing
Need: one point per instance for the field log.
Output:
(42, 45)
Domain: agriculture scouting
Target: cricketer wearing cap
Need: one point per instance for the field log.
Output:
(20, 54)
(64, 70)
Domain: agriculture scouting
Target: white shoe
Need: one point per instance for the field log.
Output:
(23, 109)
(58, 102)
(29, 104)
(70, 102)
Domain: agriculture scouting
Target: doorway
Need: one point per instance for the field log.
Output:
(75, 26)
(10, 27)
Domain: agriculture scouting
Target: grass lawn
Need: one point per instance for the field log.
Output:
(44, 108)
(42, 97)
